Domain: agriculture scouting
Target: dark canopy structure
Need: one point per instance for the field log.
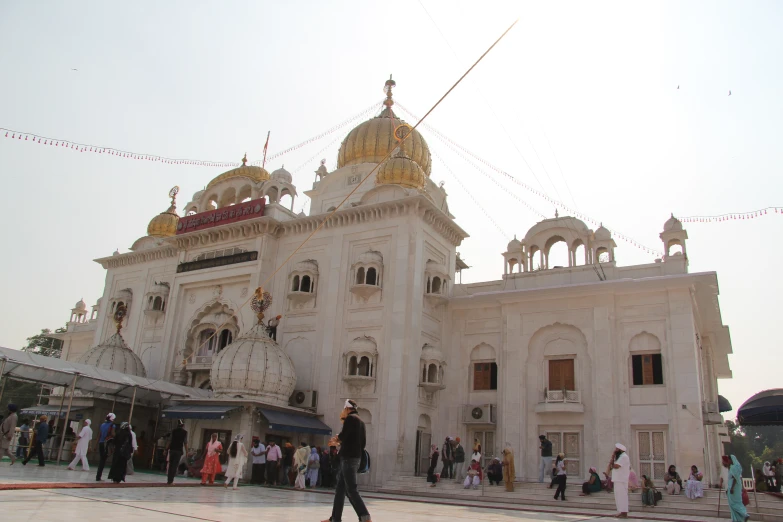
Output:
(284, 421)
(763, 409)
(723, 404)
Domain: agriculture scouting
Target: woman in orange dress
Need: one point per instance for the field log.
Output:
(211, 461)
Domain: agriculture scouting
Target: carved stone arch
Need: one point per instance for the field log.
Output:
(425, 423)
(483, 352)
(221, 311)
(557, 341)
(365, 415)
(645, 342)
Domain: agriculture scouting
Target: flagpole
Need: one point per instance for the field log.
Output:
(263, 163)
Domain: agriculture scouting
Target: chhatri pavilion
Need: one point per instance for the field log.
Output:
(589, 354)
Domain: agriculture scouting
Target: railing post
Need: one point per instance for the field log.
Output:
(70, 402)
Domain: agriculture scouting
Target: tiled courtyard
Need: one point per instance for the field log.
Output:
(159, 503)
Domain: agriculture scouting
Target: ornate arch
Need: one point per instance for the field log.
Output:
(213, 313)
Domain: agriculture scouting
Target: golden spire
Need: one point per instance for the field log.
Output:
(244, 159)
(387, 88)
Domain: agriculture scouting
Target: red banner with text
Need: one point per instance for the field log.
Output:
(222, 216)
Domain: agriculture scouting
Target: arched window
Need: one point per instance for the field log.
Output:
(305, 287)
(674, 248)
(352, 365)
(360, 276)
(432, 373)
(436, 285)
(206, 342)
(225, 339)
(295, 285)
(364, 367)
(371, 276)
(158, 303)
(602, 254)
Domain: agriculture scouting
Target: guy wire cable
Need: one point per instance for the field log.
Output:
(387, 156)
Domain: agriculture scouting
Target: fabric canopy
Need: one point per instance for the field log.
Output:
(723, 404)
(193, 411)
(283, 421)
(763, 409)
(57, 372)
(50, 410)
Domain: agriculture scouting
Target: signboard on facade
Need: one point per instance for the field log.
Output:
(222, 216)
(201, 264)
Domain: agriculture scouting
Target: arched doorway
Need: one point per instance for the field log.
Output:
(423, 443)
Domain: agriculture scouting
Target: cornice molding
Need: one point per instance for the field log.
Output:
(417, 205)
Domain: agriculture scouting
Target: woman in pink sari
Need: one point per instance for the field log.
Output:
(211, 461)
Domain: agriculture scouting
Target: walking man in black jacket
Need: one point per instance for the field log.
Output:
(352, 440)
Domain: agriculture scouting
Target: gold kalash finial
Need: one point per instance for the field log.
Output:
(387, 88)
(260, 302)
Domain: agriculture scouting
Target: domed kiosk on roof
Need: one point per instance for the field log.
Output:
(251, 172)
(282, 175)
(254, 366)
(372, 140)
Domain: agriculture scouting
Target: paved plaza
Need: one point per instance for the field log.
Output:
(159, 503)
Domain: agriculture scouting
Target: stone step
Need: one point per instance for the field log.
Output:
(539, 495)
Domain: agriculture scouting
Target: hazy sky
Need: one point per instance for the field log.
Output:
(579, 101)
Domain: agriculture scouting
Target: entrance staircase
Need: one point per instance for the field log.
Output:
(537, 496)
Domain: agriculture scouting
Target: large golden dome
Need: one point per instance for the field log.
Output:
(401, 171)
(371, 141)
(253, 173)
(165, 223)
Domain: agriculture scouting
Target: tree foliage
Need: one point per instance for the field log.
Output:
(753, 445)
(44, 344)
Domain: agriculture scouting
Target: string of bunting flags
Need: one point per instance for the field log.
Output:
(452, 144)
(111, 151)
(733, 216)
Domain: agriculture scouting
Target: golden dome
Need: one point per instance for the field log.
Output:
(372, 140)
(253, 173)
(401, 171)
(165, 223)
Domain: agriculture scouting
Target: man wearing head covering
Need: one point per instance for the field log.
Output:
(105, 434)
(82, 447)
(178, 445)
(41, 436)
(459, 461)
(352, 440)
(621, 470)
(7, 430)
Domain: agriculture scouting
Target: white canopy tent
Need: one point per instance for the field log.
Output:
(57, 372)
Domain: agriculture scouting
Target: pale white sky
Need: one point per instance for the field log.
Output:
(588, 86)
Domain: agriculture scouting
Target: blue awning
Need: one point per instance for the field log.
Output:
(284, 421)
(50, 410)
(197, 411)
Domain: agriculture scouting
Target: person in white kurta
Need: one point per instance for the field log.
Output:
(134, 447)
(237, 458)
(82, 446)
(621, 469)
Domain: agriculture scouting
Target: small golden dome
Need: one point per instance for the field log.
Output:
(165, 223)
(372, 140)
(401, 171)
(253, 173)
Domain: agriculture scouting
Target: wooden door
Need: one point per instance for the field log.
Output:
(561, 374)
(424, 441)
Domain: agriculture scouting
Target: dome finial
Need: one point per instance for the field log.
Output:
(244, 159)
(260, 302)
(173, 195)
(387, 88)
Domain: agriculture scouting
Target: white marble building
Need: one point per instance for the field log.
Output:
(591, 353)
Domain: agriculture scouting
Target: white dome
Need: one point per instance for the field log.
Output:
(254, 366)
(81, 305)
(115, 355)
(371, 256)
(672, 225)
(514, 245)
(282, 175)
(602, 234)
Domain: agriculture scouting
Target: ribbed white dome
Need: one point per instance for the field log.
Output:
(254, 366)
(81, 305)
(602, 234)
(430, 353)
(115, 355)
(282, 175)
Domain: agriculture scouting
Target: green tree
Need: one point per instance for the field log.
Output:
(44, 344)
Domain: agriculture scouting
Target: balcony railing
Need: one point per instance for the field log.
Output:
(562, 396)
